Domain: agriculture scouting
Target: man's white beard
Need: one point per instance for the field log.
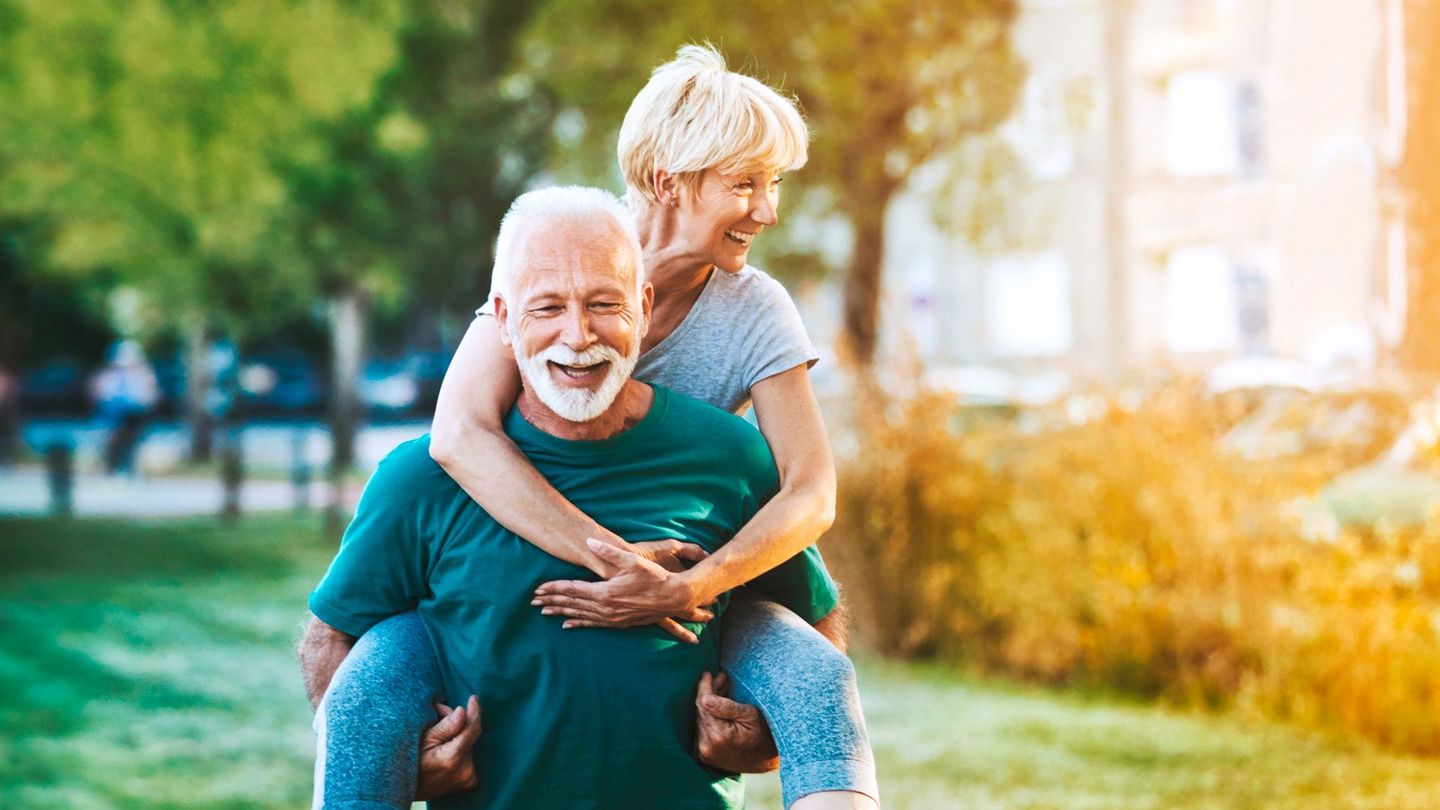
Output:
(576, 404)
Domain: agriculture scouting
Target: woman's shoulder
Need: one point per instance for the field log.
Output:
(751, 285)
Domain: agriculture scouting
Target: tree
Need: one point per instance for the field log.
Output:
(148, 133)
(1419, 175)
(405, 196)
(887, 86)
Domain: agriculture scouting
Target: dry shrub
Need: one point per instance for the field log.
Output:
(1119, 545)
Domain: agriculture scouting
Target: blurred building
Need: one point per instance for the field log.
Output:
(1183, 181)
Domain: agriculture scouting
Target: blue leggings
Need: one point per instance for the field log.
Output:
(380, 701)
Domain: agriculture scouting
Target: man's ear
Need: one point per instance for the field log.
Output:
(647, 305)
(502, 312)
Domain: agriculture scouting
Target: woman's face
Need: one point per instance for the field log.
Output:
(725, 214)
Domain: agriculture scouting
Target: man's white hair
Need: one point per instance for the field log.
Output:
(559, 205)
(695, 115)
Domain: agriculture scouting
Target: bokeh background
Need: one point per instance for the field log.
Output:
(1130, 322)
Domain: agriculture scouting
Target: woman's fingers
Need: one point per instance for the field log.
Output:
(699, 615)
(670, 626)
(678, 630)
(569, 587)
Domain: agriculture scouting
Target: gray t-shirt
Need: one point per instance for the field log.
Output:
(742, 329)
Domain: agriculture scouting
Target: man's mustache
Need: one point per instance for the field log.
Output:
(566, 356)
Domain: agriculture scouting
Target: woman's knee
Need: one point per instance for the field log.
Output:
(778, 652)
(831, 666)
(392, 664)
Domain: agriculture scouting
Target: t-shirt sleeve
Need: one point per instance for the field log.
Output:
(776, 339)
(802, 582)
(381, 568)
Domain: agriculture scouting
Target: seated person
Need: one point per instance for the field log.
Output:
(594, 717)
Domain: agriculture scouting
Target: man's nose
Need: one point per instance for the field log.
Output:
(576, 332)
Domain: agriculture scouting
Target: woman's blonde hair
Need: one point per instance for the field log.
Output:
(694, 115)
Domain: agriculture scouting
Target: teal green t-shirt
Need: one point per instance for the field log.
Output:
(587, 718)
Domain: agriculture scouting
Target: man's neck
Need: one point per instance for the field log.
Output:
(630, 406)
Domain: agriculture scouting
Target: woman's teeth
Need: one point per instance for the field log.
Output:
(740, 236)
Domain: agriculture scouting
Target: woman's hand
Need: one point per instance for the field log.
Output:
(643, 590)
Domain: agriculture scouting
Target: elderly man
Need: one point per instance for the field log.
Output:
(592, 717)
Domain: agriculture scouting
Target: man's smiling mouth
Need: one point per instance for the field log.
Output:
(578, 372)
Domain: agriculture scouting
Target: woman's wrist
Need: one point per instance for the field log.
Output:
(694, 587)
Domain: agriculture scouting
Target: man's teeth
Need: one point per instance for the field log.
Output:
(577, 371)
(740, 236)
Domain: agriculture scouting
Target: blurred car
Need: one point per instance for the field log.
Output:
(281, 383)
(170, 376)
(388, 387)
(429, 370)
(56, 387)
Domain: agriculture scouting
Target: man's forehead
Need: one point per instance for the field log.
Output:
(571, 253)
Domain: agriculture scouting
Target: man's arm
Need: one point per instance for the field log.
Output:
(322, 648)
(835, 627)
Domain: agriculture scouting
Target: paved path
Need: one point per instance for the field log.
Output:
(267, 446)
(25, 492)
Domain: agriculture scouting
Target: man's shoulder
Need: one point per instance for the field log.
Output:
(714, 430)
(409, 472)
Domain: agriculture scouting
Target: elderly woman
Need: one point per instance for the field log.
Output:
(702, 150)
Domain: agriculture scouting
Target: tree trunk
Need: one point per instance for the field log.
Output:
(1117, 176)
(860, 330)
(1419, 175)
(347, 347)
(197, 384)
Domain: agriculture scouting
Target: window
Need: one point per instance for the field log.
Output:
(1200, 301)
(1027, 305)
(1201, 127)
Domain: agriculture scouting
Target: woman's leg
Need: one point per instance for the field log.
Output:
(806, 690)
(370, 720)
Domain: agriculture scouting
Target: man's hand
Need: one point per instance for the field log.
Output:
(446, 761)
(731, 736)
(640, 592)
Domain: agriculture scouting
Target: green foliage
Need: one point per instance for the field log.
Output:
(148, 133)
(403, 195)
(887, 85)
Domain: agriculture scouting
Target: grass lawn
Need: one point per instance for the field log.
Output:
(151, 665)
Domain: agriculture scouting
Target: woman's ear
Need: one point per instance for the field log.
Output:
(667, 189)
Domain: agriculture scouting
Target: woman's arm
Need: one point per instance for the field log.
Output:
(803, 509)
(800, 512)
(468, 440)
